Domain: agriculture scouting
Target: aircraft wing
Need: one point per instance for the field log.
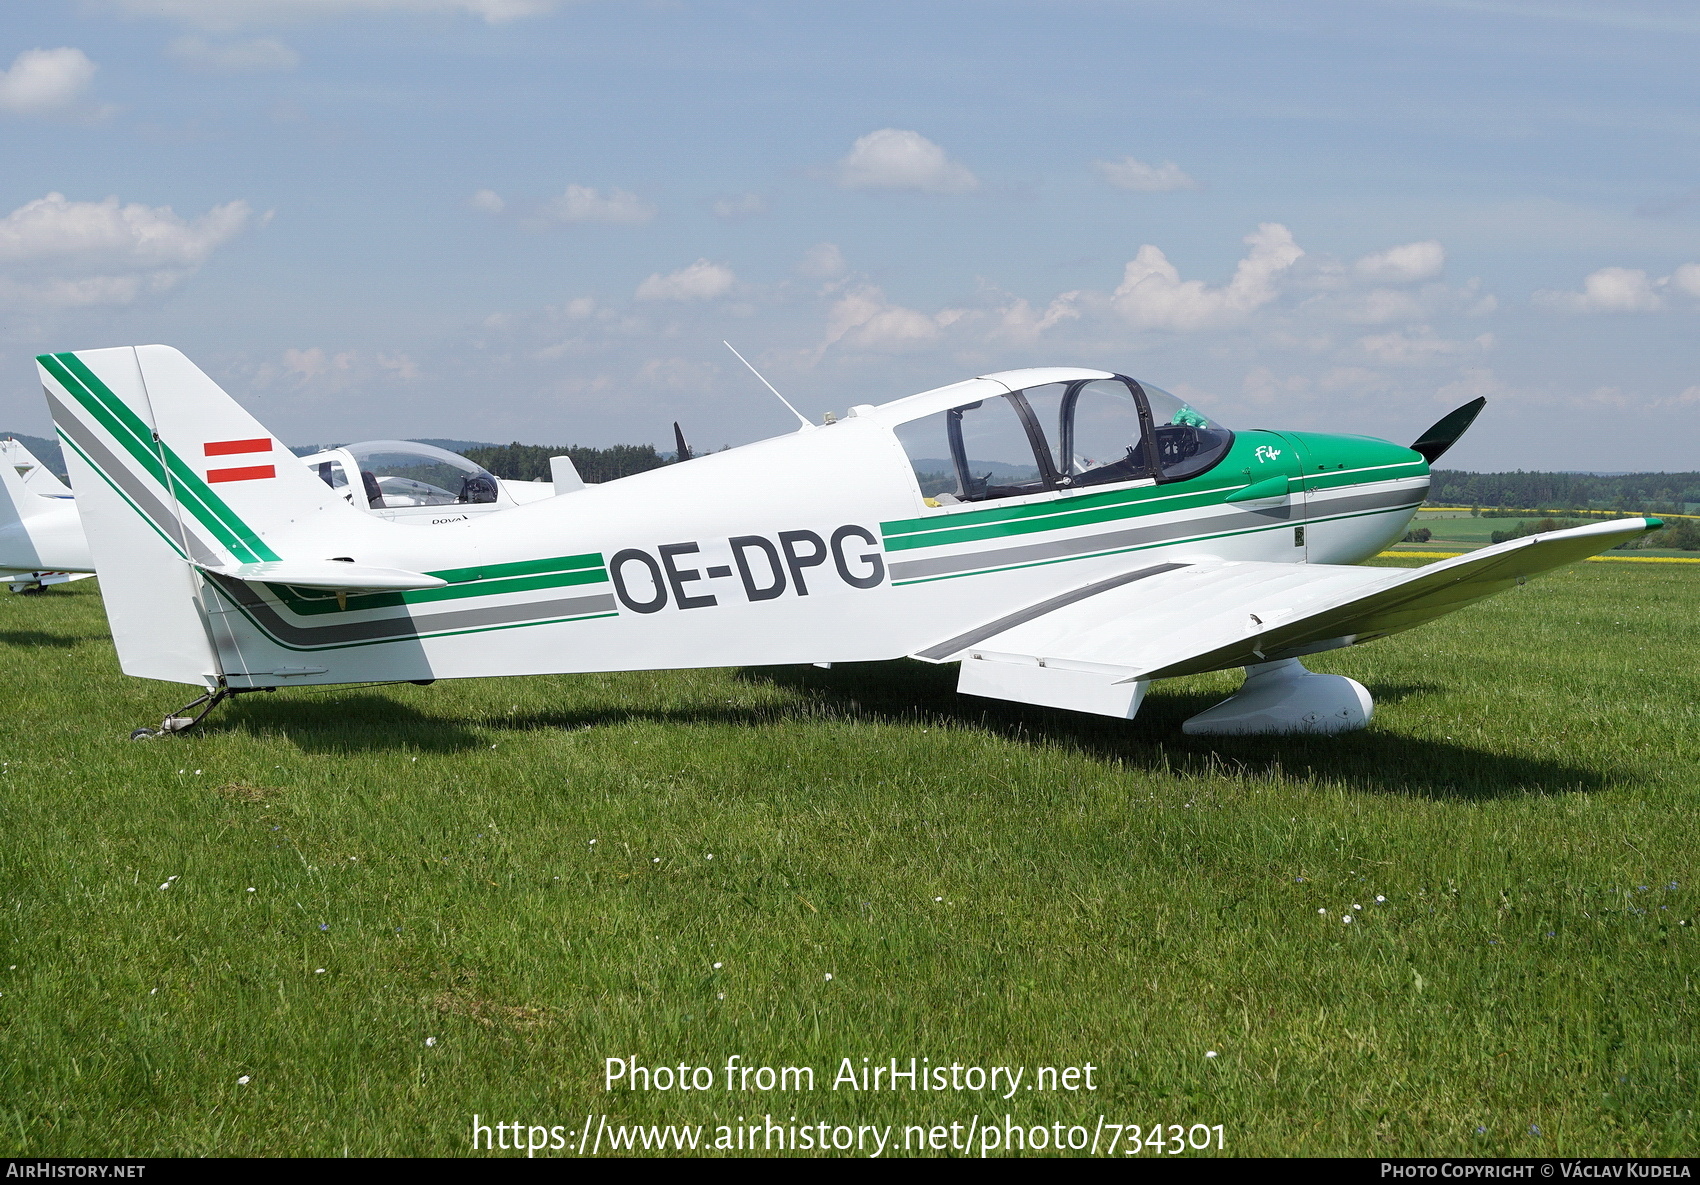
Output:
(1184, 617)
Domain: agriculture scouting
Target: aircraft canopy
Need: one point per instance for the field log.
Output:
(1028, 432)
(402, 473)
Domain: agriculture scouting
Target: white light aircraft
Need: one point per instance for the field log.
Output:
(1066, 535)
(41, 539)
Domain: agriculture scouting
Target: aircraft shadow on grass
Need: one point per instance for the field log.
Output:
(37, 638)
(903, 692)
(346, 724)
(1376, 760)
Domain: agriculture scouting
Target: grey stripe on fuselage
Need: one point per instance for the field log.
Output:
(1145, 536)
(396, 629)
(170, 525)
(981, 633)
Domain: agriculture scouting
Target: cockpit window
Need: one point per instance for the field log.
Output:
(974, 453)
(1094, 430)
(397, 473)
(1188, 441)
(1060, 436)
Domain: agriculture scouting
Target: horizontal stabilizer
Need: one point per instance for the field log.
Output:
(331, 574)
(1184, 618)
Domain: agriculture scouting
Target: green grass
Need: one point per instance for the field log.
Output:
(985, 883)
(1456, 528)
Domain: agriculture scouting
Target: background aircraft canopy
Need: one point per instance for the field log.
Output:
(401, 473)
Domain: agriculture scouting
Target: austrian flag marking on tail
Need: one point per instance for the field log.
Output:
(230, 448)
(245, 473)
(226, 448)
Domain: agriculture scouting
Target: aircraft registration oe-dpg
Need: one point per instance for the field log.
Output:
(1066, 535)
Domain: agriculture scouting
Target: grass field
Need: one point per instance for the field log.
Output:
(392, 908)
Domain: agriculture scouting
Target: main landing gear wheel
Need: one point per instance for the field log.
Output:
(144, 734)
(1283, 697)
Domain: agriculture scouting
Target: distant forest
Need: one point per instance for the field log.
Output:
(46, 451)
(530, 462)
(1669, 493)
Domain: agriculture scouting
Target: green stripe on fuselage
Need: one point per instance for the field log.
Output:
(566, 563)
(1057, 516)
(494, 580)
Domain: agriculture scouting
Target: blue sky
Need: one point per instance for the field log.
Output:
(537, 220)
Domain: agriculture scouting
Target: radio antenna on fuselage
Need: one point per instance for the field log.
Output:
(800, 417)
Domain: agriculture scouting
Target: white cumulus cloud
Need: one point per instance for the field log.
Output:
(320, 372)
(56, 252)
(1152, 294)
(894, 159)
(487, 201)
(1609, 290)
(701, 280)
(45, 81)
(581, 203)
(1418, 345)
(1686, 279)
(823, 261)
(1403, 264)
(230, 14)
(864, 317)
(234, 57)
(1019, 322)
(1129, 173)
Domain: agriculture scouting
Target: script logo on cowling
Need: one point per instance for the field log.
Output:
(1265, 453)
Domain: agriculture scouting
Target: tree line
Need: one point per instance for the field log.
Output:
(530, 462)
(1668, 493)
(1682, 534)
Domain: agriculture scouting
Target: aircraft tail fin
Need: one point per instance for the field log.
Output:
(38, 518)
(24, 474)
(173, 477)
(17, 504)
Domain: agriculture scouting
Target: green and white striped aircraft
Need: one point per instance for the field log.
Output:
(1065, 535)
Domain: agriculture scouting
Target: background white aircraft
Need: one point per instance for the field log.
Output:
(41, 537)
(1066, 535)
(41, 533)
